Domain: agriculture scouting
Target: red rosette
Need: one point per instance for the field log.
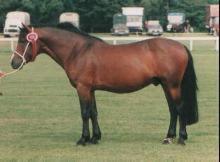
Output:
(32, 37)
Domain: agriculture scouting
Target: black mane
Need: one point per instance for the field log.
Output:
(23, 30)
(70, 27)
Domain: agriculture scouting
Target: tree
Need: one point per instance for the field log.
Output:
(213, 1)
(194, 13)
(156, 10)
(96, 15)
(194, 10)
(47, 12)
(43, 12)
(6, 6)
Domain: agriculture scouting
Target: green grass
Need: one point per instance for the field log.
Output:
(40, 118)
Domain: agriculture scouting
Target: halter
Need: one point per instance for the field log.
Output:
(32, 38)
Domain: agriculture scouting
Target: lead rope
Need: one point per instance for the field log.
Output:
(31, 38)
(3, 74)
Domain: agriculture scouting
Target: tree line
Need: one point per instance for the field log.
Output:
(96, 15)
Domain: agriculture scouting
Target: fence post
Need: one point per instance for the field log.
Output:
(191, 44)
(12, 45)
(217, 44)
(114, 41)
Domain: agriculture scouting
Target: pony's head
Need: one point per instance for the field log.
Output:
(27, 47)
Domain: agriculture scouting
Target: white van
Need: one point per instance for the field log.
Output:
(134, 18)
(13, 21)
(70, 17)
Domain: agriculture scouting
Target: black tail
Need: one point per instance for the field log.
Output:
(189, 93)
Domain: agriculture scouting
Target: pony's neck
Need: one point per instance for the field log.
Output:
(62, 46)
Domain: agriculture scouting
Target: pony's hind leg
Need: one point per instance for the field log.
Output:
(173, 95)
(171, 135)
(95, 125)
(182, 131)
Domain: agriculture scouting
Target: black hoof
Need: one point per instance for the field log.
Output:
(94, 140)
(98, 137)
(83, 140)
(1, 94)
(168, 141)
(181, 141)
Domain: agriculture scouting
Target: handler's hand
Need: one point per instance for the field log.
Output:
(1, 74)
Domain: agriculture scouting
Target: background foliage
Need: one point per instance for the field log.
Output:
(96, 15)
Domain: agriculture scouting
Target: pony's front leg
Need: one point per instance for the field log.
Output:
(84, 94)
(95, 125)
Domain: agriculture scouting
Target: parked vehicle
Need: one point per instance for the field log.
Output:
(175, 22)
(212, 19)
(13, 21)
(119, 25)
(134, 18)
(70, 17)
(153, 27)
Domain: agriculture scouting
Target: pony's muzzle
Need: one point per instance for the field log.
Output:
(16, 62)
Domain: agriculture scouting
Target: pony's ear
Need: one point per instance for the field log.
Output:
(26, 28)
(20, 28)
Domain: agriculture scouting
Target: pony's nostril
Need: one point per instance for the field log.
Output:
(15, 64)
(12, 62)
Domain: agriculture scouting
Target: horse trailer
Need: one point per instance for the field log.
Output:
(175, 21)
(119, 25)
(71, 17)
(212, 19)
(14, 21)
(134, 18)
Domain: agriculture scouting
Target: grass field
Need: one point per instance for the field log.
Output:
(40, 118)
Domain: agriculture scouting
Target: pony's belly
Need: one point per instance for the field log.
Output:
(124, 87)
(121, 90)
